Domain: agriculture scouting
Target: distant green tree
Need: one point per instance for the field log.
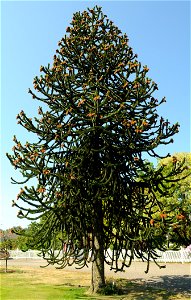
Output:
(101, 121)
(178, 205)
(25, 237)
(19, 238)
(8, 239)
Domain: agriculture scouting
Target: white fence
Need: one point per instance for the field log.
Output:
(182, 255)
(174, 256)
(16, 254)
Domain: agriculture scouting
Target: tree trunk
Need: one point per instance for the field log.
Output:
(98, 275)
(6, 264)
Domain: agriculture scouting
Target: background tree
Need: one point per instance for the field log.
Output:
(179, 204)
(24, 240)
(20, 238)
(101, 120)
(5, 240)
(9, 240)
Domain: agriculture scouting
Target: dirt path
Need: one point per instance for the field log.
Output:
(175, 277)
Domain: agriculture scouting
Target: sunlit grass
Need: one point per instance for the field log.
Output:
(18, 286)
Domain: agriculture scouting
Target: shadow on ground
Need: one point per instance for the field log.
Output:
(163, 288)
(178, 284)
(157, 288)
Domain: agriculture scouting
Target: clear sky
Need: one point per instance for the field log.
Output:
(158, 32)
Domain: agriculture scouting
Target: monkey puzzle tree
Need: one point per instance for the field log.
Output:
(100, 121)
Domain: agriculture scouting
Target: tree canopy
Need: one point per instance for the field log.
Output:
(101, 121)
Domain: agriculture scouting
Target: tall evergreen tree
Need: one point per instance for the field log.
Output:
(101, 120)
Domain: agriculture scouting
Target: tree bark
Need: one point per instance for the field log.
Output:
(98, 274)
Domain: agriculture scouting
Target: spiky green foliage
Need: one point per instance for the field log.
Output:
(101, 120)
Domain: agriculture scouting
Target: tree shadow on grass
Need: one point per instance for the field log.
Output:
(177, 284)
(139, 290)
(163, 288)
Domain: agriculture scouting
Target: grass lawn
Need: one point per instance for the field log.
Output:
(22, 289)
(44, 284)
(20, 285)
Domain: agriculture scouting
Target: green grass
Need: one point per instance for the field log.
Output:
(19, 288)
(31, 285)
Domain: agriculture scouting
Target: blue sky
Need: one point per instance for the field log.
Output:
(158, 32)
